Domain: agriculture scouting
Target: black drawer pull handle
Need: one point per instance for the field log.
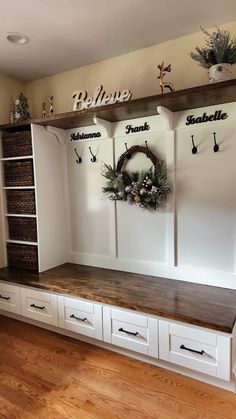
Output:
(34, 306)
(78, 318)
(191, 350)
(129, 333)
(5, 298)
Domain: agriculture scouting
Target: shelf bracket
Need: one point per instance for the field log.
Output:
(167, 117)
(107, 125)
(58, 132)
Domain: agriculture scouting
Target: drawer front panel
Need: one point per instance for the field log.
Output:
(130, 336)
(10, 298)
(80, 317)
(138, 333)
(39, 306)
(204, 359)
(195, 349)
(129, 317)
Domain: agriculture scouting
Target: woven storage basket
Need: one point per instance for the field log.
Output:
(22, 256)
(19, 173)
(15, 144)
(24, 229)
(21, 202)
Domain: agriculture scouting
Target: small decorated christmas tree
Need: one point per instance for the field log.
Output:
(21, 108)
(12, 110)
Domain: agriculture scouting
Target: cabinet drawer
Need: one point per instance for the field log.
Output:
(10, 298)
(80, 316)
(40, 306)
(132, 331)
(197, 349)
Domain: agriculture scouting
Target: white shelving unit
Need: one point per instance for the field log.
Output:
(48, 160)
(9, 216)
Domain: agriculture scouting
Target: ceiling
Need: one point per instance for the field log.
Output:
(66, 34)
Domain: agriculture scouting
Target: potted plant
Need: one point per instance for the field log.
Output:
(217, 55)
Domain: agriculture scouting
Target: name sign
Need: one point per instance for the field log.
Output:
(217, 116)
(78, 136)
(130, 129)
(99, 98)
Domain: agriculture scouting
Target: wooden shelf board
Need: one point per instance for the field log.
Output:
(22, 242)
(18, 187)
(195, 97)
(16, 158)
(21, 215)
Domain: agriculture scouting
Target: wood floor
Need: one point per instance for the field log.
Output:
(45, 375)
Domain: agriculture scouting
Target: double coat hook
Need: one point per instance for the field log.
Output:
(93, 159)
(194, 149)
(216, 146)
(79, 158)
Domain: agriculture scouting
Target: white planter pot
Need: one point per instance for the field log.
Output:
(220, 72)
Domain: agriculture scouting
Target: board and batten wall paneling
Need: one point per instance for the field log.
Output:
(90, 212)
(141, 234)
(206, 197)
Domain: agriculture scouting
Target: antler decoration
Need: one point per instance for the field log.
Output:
(163, 70)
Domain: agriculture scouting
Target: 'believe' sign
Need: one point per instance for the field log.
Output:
(100, 98)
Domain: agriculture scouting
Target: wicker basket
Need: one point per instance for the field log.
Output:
(24, 229)
(15, 144)
(19, 173)
(22, 256)
(21, 201)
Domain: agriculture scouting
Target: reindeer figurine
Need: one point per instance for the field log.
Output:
(163, 71)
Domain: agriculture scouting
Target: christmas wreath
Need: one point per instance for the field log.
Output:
(146, 189)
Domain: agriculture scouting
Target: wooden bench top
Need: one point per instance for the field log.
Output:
(201, 305)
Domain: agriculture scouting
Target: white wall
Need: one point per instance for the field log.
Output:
(136, 71)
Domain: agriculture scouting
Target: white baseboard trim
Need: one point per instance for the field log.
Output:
(181, 273)
(226, 385)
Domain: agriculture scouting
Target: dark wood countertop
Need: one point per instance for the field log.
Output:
(201, 305)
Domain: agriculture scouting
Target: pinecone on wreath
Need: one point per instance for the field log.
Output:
(21, 108)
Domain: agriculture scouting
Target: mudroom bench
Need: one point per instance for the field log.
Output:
(183, 326)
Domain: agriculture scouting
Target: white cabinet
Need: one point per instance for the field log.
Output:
(39, 305)
(80, 316)
(129, 330)
(10, 298)
(199, 349)
(194, 348)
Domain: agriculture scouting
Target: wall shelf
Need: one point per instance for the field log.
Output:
(16, 158)
(195, 97)
(18, 187)
(22, 242)
(21, 215)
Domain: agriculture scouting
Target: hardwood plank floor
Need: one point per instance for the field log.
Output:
(46, 375)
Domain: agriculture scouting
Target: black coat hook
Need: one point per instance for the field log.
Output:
(79, 159)
(194, 149)
(216, 146)
(127, 148)
(93, 159)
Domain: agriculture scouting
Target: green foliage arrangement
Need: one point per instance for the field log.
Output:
(220, 48)
(145, 189)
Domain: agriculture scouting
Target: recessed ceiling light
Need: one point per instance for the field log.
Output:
(17, 38)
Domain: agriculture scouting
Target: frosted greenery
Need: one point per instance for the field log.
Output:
(219, 48)
(144, 189)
